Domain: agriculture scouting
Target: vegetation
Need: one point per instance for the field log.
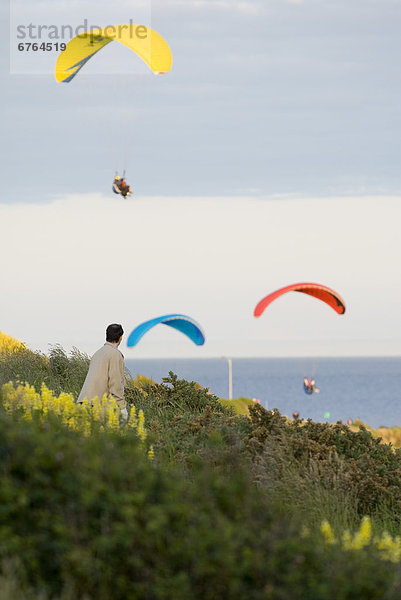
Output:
(189, 499)
(58, 371)
(9, 344)
(240, 405)
(388, 435)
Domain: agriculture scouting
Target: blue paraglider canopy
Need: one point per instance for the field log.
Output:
(185, 324)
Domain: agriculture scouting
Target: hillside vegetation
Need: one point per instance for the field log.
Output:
(186, 500)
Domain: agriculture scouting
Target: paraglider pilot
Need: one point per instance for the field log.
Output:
(121, 187)
(309, 386)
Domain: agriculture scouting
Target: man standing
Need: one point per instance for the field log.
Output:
(106, 371)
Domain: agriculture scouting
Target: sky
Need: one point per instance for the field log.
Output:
(268, 155)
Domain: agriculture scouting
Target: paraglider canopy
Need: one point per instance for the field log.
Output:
(185, 324)
(145, 42)
(321, 292)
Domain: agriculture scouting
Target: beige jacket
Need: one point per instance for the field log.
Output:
(105, 375)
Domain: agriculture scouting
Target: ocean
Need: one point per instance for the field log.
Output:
(368, 389)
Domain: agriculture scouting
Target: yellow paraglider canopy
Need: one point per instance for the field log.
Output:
(145, 42)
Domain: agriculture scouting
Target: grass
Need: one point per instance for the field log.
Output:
(299, 474)
(388, 435)
(239, 405)
(183, 419)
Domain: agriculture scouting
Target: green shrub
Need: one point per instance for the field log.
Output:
(317, 465)
(187, 423)
(25, 366)
(239, 405)
(58, 371)
(91, 517)
(67, 372)
(85, 517)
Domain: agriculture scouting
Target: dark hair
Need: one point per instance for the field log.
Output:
(114, 332)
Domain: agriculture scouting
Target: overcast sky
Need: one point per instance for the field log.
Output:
(270, 154)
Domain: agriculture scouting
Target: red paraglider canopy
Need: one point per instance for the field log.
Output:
(321, 292)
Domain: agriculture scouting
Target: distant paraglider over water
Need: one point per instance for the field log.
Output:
(186, 325)
(321, 292)
(310, 386)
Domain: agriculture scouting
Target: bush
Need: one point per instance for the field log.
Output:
(85, 516)
(308, 461)
(94, 515)
(91, 517)
(8, 344)
(187, 423)
(239, 405)
(58, 371)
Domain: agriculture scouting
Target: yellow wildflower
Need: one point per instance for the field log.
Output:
(327, 532)
(141, 426)
(9, 344)
(363, 537)
(347, 540)
(132, 420)
(79, 417)
(390, 547)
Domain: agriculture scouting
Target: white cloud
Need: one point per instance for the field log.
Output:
(83, 261)
(251, 8)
